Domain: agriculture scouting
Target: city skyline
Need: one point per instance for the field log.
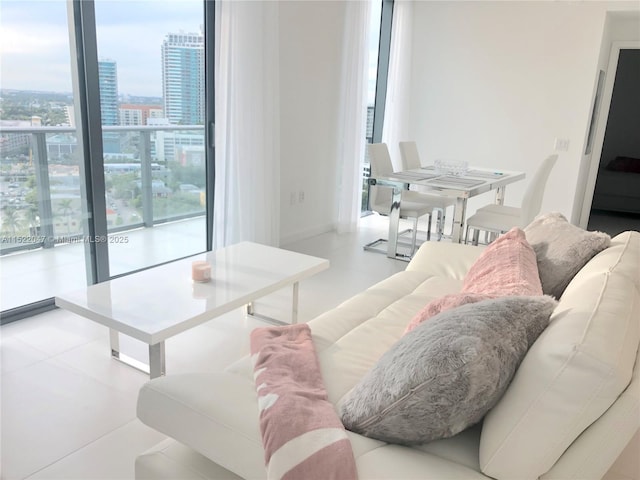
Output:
(34, 42)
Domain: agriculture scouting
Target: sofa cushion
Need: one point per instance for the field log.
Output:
(216, 414)
(351, 338)
(445, 259)
(443, 376)
(575, 370)
(506, 267)
(562, 249)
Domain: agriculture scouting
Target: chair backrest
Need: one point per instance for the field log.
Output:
(409, 155)
(380, 161)
(532, 199)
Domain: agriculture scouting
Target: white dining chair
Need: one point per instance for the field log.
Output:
(411, 161)
(413, 205)
(497, 219)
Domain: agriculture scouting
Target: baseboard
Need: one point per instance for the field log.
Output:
(307, 233)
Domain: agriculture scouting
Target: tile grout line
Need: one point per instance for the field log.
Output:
(75, 370)
(80, 448)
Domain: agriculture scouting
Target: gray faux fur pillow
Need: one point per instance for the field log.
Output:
(447, 373)
(562, 249)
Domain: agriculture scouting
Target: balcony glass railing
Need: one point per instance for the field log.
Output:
(153, 175)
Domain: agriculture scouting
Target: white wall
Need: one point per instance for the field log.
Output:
(492, 82)
(495, 83)
(310, 58)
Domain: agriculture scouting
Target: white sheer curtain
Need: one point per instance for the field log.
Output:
(396, 115)
(353, 114)
(247, 186)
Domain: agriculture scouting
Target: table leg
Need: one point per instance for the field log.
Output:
(114, 341)
(500, 191)
(156, 367)
(156, 360)
(394, 223)
(251, 310)
(458, 220)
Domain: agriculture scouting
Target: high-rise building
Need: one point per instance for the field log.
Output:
(369, 132)
(135, 114)
(183, 78)
(108, 79)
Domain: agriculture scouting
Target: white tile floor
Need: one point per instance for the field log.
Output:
(68, 410)
(34, 275)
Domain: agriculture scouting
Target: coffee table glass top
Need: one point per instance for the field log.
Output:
(154, 304)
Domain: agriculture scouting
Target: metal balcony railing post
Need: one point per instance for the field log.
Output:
(43, 189)
(146, 178)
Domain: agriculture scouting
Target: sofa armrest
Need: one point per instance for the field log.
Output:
(445, 259)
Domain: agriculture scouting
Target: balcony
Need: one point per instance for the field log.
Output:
(154, 194)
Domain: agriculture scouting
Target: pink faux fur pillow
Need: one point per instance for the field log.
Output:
(506, 267)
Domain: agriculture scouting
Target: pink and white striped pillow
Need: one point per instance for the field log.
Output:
(302, 435)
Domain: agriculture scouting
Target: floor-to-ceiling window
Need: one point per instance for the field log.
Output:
(103, 152)
(151, 81)
(379, 47)
(41, 212)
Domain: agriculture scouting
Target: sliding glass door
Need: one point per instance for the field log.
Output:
(105, 161)
(41, 208)
(152, 98)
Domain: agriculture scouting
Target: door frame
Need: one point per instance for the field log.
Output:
(602, 114)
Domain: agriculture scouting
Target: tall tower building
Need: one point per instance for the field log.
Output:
(108, 79)
(183, 78)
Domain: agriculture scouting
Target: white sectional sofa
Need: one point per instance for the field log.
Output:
(571, 408)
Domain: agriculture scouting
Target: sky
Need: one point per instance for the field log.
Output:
(34, 41)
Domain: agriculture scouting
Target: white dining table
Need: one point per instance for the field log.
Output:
(475, 181)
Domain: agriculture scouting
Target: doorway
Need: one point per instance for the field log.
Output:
(620, 34)
(615, 205)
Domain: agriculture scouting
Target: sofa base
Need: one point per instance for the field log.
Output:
(217, 413)
(171, 460)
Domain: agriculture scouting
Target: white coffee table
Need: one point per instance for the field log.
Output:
(158, 303)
